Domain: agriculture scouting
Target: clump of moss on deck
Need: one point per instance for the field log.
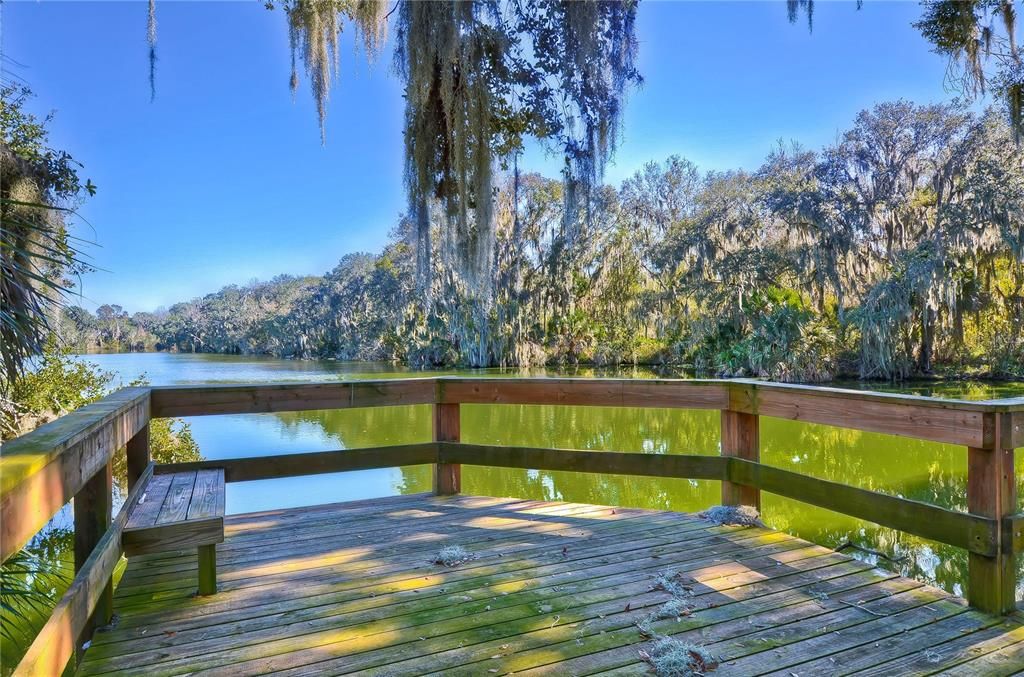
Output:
(452, 556)
(674, 658)
(674, 583)
(742, 515)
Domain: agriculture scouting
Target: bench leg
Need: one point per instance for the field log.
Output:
(207, 569)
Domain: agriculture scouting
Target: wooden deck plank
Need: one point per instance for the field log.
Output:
(371, 529)
(474, 652)
(302, 566)
(366, 527)
(179, 495)
(749, 608)
(554, 588)
(271, 653)
(380, 580)
(389, 534)
(208, 495)
(812, 643)
(148, 507)
(872, 653)
(1005, 661)
(454, 586)
(952, 653)
(661, 539)
(619, 649)
(409, 612)
(391, 625)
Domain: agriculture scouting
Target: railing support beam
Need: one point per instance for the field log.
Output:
(92, 507)
(741, 439)
(447, 476)
(138, 454)
(992, 492)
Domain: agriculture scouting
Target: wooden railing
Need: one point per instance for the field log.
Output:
(71, 458)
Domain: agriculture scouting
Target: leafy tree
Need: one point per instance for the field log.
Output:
(980, 38)
(39, 188)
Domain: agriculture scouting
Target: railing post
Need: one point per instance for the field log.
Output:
(138, 455)
(92, 507)
(992, 492)
(447, 476)
(741, 439)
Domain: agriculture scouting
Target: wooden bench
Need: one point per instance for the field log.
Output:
(177, 511)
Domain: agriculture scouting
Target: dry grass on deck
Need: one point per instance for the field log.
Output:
(554, 588)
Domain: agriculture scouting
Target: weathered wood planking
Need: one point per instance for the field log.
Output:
(174, 536)
(447, 422)
(177, 511)
(688, 394)
(54, 646)
(150, 501)
(168, 401)
(561, 602)
(612, 462)
(179, 495)
(92, 509)
(1011, 413)
(740, 438)
(313, 463)
(992, 493)
(42, 470)
(208, 495)
(972, 532)
(1013, 529)
(949, 421)
(137, 455)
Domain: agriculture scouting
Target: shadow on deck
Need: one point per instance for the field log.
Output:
(558, 588)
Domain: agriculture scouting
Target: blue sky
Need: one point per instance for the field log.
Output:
(222, 179)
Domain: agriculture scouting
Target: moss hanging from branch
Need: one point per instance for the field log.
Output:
(151, 37)
(480, 77)
(975, 34)
(450, 54)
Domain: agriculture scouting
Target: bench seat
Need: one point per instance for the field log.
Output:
(178, 511)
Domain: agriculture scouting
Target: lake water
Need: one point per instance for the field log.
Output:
(925, 471)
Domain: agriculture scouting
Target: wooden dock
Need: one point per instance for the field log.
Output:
(553, 588)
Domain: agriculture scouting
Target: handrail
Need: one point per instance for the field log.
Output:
(963, 530)
(43, 470)
(55, 643)
(70, 458)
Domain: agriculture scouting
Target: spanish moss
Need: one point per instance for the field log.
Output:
(980, 39)
(480, 77)
(151, 39)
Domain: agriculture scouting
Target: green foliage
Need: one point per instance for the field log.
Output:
(38, 188)
(58, 385)
(31, 581)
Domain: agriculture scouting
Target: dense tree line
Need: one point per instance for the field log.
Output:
(894, 251)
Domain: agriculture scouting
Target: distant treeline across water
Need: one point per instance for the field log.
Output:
(897, 251)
